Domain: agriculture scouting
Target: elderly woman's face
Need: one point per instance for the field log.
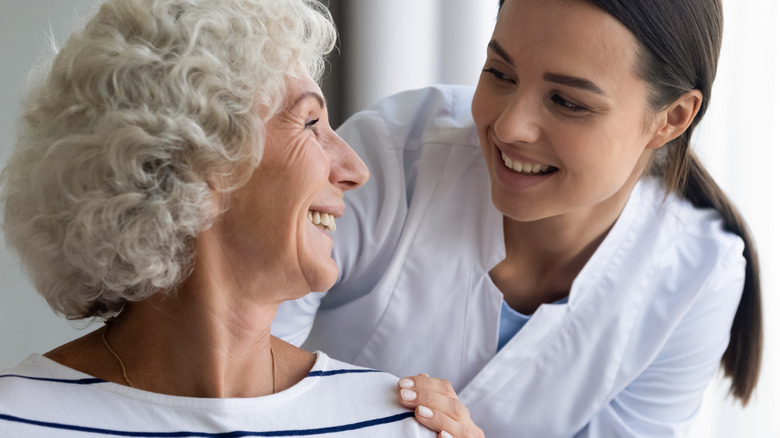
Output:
(280, 222)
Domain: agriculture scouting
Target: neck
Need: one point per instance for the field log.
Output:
(544, 257)
(179, 349)
(211, 338)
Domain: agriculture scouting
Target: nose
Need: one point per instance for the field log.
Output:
(347, 170)
(518, 121)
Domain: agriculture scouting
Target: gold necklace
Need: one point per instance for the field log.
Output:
(118, 359)
(273, 369)
(130, 384)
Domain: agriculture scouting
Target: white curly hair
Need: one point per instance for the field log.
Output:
(143, 118)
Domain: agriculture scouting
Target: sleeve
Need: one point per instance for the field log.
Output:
(663, 400)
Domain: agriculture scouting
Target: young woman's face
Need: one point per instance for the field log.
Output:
(281, 220)
(560, 109)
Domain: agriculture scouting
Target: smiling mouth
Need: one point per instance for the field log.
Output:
(323, 220)
(527, 168)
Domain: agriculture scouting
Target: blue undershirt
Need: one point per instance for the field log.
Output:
(512, 321)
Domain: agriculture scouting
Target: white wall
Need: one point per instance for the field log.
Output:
(26, 322)
(403, 44)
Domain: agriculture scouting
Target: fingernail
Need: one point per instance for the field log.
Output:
(408, 395)
(425, 412)
(444, 434)
(406, 383)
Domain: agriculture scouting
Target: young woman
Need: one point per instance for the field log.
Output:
(548, 243)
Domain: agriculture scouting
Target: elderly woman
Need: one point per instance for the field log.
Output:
(137, 194)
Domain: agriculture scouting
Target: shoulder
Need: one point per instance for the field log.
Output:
(370, 394)
(338, 373)
(690, 232)
(21, 386)
(16, 379)
(660, 236)
(439, 113)
(688, 261)
(37, 367)
(670, 256)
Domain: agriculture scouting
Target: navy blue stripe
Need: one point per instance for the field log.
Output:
(93, 380)
(234, 434)
(334, 372)
(89, 381)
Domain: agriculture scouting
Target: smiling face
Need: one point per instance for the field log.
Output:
(279, 223)
(561, 113)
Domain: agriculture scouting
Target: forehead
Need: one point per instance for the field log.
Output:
(300, 87)
(566, 36)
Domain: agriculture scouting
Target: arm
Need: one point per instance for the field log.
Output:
(664, 399)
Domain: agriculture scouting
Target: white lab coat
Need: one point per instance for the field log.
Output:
(629, 354)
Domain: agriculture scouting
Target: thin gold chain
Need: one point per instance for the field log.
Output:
(118, 359)
(273, 370)
(130, 384)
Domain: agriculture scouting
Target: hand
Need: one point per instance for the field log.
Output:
(436, 406)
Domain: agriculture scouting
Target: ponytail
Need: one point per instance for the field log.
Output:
(741, 362)
(684, 174)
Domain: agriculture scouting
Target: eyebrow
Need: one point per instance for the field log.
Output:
(572, 81)
(493, 45)
(569, 81)
(306, 94)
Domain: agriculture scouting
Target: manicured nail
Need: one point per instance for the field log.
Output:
(408, 395)
(406, 383)
(424, 412)
(444, 434)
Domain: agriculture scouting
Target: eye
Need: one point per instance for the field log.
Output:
(566, 105)
(310, 123)
(498, 75)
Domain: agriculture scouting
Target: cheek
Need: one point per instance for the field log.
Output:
(486, 108)
(483, 106)
(302, 167)
(603, 154)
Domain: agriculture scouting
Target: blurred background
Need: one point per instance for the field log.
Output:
(388, 46)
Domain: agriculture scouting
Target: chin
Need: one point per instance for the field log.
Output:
(514, 210)
(324, 278)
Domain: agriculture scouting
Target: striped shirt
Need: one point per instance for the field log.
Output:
(41, 398)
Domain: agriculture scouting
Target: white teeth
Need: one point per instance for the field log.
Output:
(519, 166)
(324, 220)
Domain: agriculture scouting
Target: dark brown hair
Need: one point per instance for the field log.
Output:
(679, 47)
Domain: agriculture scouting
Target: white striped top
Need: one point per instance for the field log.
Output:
(41, 398)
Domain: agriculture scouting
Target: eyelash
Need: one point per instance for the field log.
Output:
(310, 124)
(557, 99)
(498, 75)
(566, 105)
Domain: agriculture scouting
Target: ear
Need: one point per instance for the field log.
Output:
(673, 120)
